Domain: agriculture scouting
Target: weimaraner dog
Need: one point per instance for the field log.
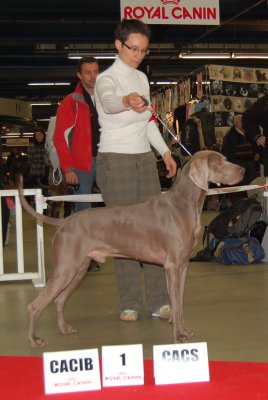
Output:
(163, 229)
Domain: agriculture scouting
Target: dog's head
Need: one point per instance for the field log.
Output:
(211, 166)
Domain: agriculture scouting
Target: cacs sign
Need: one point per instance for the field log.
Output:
(179, 12)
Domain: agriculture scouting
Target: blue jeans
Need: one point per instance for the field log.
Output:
(86, 180)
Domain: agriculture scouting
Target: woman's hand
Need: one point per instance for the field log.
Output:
(135, 102)
(171, 165)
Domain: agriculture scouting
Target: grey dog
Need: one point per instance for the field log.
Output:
(163, 230)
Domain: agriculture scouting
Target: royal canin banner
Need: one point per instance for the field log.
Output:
(179, 12)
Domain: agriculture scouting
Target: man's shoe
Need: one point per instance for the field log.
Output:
(93, 266)
(163, 312)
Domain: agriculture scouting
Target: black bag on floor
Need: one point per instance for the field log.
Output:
(203, 255)
(235, 221)
(231, 250)
(258, 230)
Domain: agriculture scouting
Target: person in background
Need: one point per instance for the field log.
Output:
(77, 134)
(16, 164)
(126, 165)
(37, 159)
(237, 149)
(5, 213)
(255, 123)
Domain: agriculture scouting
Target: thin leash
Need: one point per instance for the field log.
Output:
(150, 108)
(234, 189)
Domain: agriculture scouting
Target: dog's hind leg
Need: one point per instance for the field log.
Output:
(35, 309)
(65, 328)
(62, 282)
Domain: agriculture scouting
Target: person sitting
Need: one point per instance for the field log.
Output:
(237, 149)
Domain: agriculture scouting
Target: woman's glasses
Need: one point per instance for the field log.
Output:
(135, 50)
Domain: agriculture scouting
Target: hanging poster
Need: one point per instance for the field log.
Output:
(233, 90)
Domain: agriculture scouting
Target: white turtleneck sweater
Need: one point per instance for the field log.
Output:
(122, 129)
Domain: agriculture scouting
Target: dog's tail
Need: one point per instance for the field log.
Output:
(40, 217)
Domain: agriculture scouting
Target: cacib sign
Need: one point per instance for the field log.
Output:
(179, 12)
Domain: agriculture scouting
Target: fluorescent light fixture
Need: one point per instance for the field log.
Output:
(49, 84)
(17, 134)
(248, 56)
(231, 55)
(43, 119)
(41, 104)
(108, 57)
(204, 82)
(163, 83)
(98, 56)
(11, 135)
(204, 56)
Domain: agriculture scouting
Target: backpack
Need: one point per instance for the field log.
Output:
(235, 221)
(237, 232)
(233, 250)
(52, 152)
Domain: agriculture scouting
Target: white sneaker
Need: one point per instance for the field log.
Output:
(163, 312)
(129, 315)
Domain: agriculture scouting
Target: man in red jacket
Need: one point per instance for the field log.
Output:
(77, 132)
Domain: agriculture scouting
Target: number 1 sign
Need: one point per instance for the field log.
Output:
(122, 365)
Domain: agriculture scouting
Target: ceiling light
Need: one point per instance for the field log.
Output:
(248, 56)
(98, 56)
(41, 104)
(203, 83)
(204, 55)
(163, 83)
(232, 55)
(11, 135)
(49, 84)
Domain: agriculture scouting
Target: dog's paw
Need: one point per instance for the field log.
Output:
(67, 329)
(183, 339)
(185, 336)
(37, 342)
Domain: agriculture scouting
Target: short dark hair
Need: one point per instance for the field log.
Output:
(86, 60)
(128, 26)
(39, 129)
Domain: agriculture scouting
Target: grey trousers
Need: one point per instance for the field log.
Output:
(125, 179)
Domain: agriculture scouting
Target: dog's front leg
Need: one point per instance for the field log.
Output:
(176, 275)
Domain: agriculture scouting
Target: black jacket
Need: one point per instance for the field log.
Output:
(255, 117)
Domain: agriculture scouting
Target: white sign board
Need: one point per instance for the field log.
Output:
(71, 371)
(181, 363)
(176, 12)
(122, 365)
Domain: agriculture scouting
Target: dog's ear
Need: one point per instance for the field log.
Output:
(199, 172)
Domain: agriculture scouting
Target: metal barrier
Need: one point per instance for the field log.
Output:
(38, 278)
